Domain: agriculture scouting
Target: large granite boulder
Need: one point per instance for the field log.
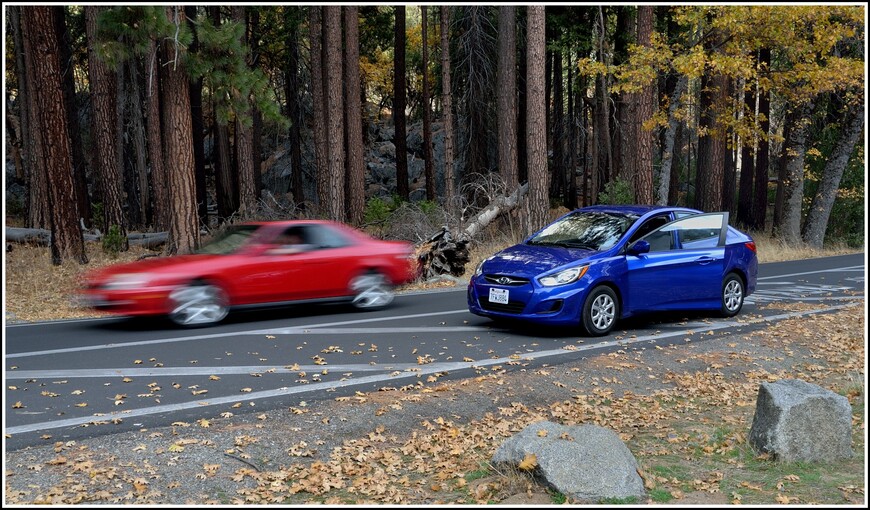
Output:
(798, 421)
(585, 462)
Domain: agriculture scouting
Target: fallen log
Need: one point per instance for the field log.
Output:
(41, 237)
(447, 253)
(443, 254)
(149, 239)
(497, 207)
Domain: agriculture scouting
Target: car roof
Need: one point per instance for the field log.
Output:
(289, 222)
(633, 209)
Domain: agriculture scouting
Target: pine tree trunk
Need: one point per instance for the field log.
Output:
(334, 111)
(130, 191)
(139, 150)
(178, 144)
(729, 169)
(105, 131)
(355, 191)
(507, 93)
(522, 150)
(559, 182)
(319, 108)
(400, 136)
(747, 160)
(762, 162)
(294, 111)
(72, 116)
(788, 122)
(155, 144)
(253, 39)
(21, 141)
(624, 145)
(429, 165)
(38, 213)
(447, 107)
(603, 171)
(647, 105)
(539, 203)
(823, 202)
(789, 229)
(67, 242)
(244, 137)
(668, 152)
(198, 126)
(571, 200)
(711, 147)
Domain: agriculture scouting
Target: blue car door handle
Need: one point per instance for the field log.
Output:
(704, 260)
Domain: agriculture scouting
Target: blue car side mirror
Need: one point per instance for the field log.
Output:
(639, 248)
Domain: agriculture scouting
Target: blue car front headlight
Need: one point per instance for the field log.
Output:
(563, 277)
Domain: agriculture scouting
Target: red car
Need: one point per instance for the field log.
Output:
(256, 264)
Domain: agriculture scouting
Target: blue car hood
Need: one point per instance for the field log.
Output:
(530, 261)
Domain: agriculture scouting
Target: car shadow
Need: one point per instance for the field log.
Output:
(246, 316)
(633, 325)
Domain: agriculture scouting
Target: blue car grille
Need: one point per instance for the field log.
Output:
(511, 307)
(510, 281)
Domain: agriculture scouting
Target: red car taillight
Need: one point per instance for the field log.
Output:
(751, 246)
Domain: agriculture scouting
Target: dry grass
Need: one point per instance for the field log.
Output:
(771, 249)
(36, 290)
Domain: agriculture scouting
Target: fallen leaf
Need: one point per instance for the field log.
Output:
(529, 462)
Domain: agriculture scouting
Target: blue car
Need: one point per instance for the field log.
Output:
(599, 264)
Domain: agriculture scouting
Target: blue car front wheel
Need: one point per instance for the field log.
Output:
(600, 311)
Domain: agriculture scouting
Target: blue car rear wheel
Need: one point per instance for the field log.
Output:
(600, 311)
(732, 295)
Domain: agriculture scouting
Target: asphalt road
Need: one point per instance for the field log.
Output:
(81, 378)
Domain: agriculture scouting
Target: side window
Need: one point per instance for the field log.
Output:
(660, 240)
(324, 237)
(650, 225)
(294, 235)
(699, 238)
(693, 231)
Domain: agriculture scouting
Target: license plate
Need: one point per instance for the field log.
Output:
(499, 296)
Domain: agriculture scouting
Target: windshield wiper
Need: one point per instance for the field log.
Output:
(578, 244)
(566, 244)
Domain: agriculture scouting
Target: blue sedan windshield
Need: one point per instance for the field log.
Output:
(587, 230)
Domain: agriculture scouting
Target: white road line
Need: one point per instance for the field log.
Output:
(427, 369)
(835, 270)
(88, 373)
(271, 331)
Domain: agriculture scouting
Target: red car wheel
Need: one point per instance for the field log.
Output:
(371, 291)
(198, 304)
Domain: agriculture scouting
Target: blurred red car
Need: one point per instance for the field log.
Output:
(256, 264)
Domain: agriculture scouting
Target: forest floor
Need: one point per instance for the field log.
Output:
(683, 411)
